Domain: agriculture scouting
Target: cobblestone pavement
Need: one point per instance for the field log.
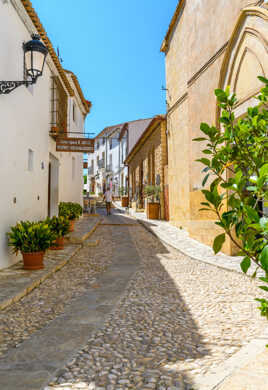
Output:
(19, 321)
(180, 239)
(177, 320)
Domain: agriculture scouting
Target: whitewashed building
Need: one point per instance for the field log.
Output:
(35, 177)
(112, 145)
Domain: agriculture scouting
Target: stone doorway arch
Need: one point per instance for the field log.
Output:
(246, 58)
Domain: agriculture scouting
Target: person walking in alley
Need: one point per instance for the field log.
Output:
(108, 199)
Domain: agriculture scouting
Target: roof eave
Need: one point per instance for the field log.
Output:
(147, 132)
(164, 46)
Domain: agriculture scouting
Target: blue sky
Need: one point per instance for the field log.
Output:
(114, 49)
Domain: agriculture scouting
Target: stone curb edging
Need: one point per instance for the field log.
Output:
(75, 240)
(4, 304)
(170, 243)
(244, 356)
(17, 296)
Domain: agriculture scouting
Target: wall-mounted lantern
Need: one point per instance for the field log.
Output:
(35, 53)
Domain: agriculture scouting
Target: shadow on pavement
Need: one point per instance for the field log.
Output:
(151, 333)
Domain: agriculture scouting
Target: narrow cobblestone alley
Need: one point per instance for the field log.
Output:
(131, 313)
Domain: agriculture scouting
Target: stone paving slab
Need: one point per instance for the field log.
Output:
(245, 370)
(37, 360)
(252, 376)
(15, 282)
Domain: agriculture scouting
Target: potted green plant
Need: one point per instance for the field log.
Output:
(152, 193)
(60, 226)
(70, 210)
(31, 239)
(123, 192)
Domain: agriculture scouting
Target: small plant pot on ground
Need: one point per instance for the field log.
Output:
(124, 201)
(153, 210)
(31, 239)
(33, 261)
(58, 245)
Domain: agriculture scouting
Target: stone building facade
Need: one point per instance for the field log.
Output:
(209, 44)
(147, 162)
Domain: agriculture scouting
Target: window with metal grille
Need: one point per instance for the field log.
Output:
(59, 107)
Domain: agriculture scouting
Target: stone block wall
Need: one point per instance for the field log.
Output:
(213, 44)
(150, 150)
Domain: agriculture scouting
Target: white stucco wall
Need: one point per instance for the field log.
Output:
(25, 124)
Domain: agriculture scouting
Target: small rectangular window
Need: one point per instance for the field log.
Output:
(30, 160)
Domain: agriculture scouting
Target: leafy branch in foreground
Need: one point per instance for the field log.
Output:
(236, 162)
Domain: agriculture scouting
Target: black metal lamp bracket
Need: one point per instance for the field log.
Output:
(8, 86)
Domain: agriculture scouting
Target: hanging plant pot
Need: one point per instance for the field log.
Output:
(33, 261)
(153, 210)
(59, 244)
(72, 222)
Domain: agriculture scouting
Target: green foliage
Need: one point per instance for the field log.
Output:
(70, 210)
(123, 191)
(29, 237)
(152, 192)
(218, 242)
(59, 225)
(236, 155)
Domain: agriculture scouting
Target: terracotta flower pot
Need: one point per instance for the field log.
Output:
(153, 210)
(72, 222)
(33, 261)
(124, 201)
(59, 244)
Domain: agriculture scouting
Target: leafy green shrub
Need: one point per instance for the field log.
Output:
(151, 191)
(70, 210)
(59, 225)
(29, 237)
(123, 191)
(237, 161)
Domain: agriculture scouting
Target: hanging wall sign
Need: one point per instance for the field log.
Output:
(78, 145)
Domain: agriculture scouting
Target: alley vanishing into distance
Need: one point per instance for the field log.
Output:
(126, 313)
